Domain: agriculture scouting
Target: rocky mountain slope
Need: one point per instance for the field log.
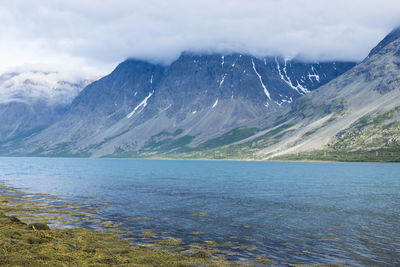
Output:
(144, 109)
(32, 100)
(354, 117)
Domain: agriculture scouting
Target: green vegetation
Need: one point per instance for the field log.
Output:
(331, 119)
(277, 130)
(35, 244)
(379, 155)
(369, 134)
(165, 142)
(371, 139)
(311, 132)
(20, 136)
(22, 245)
(168, 143)
(228, 138)
(243, 151)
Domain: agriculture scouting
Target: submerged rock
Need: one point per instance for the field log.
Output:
(39, 226)
(200, 254)
(14, 219)
(73, 246)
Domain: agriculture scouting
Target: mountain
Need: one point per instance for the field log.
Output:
(143, 109)
(355, 117)
(32, 100)
(391, 37)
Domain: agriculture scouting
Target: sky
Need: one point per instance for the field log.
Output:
(92, 36)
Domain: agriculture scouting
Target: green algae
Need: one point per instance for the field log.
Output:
(199, 214)
(21, 245)
(30, 241)
(26, 239)
(263, 261)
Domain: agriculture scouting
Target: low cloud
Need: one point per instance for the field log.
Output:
(25, 85)
(95, 35)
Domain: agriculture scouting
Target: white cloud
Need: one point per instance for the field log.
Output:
(95, 35)
(25, 85)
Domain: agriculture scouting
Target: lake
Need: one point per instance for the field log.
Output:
(290, 212)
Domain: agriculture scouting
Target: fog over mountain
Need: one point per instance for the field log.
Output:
(31, 100)
(198, 79)
(95, 36)
(55, 88)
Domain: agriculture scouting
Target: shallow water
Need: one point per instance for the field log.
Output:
(290, 212)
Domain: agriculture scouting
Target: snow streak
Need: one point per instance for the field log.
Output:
(141, 104)
(288, 81)
(261, 81)
(215, 104)
(222, 80)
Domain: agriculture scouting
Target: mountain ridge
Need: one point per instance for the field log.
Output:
(201, 96)
(392, 36)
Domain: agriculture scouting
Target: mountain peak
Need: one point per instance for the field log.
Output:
(391, 37)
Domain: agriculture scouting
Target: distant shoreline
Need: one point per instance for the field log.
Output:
(208, 159)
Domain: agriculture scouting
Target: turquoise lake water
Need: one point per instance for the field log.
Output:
(292, 212)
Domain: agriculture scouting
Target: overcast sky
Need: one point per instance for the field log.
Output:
(94, 35)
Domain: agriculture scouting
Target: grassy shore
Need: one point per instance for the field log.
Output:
(379, 155)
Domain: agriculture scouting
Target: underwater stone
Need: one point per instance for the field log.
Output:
(200, 254)
(39, 226)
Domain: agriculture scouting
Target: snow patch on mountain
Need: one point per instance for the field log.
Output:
(288, 81)
(141, 104)
(314, 75)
